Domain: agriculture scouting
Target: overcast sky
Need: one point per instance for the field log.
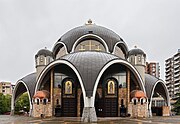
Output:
(27, 26)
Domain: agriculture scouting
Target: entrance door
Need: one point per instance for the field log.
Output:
(69, 99)
(111, 107)
(107, 104)
(69, 107)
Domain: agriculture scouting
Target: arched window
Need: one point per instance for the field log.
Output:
(90, 45)
(38, 101)
(134, 101)
(45, 101)
(142, 100)
(61, 52)
(119, 52)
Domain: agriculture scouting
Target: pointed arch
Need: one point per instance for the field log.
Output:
(87, 36)
(53, 64)
(165, 95)
(123, 62)
(20, 88)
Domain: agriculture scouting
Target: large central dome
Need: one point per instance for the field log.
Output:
(109, 37)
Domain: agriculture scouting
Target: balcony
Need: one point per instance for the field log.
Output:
(177, 79)
(176, 75)
(177, 84)
(177, 56)
(168, 66)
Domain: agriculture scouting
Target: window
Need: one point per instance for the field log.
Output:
(139, 58)
(90, 45)
(44, 101)
(118, 51)
(134, 100)
(38, 101)
(41, 58)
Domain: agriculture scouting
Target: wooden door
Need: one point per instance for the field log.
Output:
(110, 107)
(69, 107)
(69, 98)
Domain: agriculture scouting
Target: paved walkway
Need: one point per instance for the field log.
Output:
(6, 119)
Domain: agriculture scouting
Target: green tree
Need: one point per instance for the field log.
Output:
(22, 103)
(2, 103)
(5, 103)
(8, 102)
(176, 105)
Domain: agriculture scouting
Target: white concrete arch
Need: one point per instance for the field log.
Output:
(89, 35)
(152, 93)
(14, 93)
(60, 42)
(120, 61)
(119, 42)
(51, 65)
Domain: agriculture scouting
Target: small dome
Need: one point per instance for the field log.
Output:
(41, 94)
(136, 51)
(137, 94)
(44, 52)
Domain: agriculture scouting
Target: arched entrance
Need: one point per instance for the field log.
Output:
(159, 100)
(69, 98)
(26, 84)
(106, 101)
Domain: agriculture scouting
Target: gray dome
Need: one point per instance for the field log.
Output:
(44, 52)
(110, 37)
(136, 51)
(89, 64)
(30, 82)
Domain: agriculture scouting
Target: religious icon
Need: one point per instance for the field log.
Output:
(111, 87)
(68, 87)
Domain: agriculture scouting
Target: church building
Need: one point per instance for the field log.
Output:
(91, 73)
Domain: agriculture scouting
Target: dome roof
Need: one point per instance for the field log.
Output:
(44, 52)
(29, 81)
(41, 94)
(110, 37)
(136, 51)
(137, 94)
(89, 64)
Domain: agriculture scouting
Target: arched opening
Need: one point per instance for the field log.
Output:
(59, 50)
(159, 100)
(21, 100)
(120, 49)
(65, 87)
(90, 44)
(106, 101)
(22, 104)
(69, 98)
(126, 81)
